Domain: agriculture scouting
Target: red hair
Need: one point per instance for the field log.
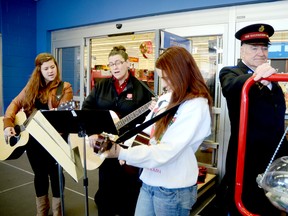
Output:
(184, 78)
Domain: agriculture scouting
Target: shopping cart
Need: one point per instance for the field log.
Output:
(242, 139)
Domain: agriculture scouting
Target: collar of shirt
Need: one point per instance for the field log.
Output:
(120, 88)
(251, 70)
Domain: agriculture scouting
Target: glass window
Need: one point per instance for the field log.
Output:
(207, 52)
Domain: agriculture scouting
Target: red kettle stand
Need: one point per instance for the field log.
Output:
(242, 138)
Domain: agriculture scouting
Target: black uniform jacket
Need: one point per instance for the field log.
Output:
(264, 129)
(104, 96)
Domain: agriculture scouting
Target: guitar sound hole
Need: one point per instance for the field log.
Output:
(13, 140)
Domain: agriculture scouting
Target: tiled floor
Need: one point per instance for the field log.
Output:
(17, 196)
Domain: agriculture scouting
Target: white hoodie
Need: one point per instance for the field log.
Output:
(172, 163)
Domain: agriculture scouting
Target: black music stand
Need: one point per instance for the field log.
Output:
(82, 122)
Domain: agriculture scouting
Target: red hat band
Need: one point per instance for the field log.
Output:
(254, 35)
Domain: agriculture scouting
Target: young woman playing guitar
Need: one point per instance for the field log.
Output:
(40, 93)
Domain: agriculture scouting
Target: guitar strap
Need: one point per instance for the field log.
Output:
(59, 91)
(130, 133)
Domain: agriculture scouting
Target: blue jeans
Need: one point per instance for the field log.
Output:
(164, 202)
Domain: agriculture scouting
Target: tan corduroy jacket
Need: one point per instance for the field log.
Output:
(16, 104)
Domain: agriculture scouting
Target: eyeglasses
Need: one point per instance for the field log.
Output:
(116, 63)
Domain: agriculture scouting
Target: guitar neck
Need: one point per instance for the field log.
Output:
(130, 117)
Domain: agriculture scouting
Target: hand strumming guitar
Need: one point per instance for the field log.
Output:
(100, 142)
(103, 145)
(9, 132)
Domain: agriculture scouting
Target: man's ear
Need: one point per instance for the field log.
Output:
(242, 50)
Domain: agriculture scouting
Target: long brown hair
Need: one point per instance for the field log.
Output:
(185, 80)
(36, 87)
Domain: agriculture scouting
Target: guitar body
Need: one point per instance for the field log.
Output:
(94, 160)
(15, 150)
(141, 139)
(16, 145)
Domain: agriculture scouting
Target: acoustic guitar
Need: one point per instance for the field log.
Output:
(94, 158)
(15, 146)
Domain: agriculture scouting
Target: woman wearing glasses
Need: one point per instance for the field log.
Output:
(122, 93)
(170, 168)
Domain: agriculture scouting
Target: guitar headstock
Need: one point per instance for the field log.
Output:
(69, 105)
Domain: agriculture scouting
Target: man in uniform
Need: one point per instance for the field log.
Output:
(265, 121)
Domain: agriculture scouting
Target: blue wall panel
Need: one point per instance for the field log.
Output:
(70, 71)
(18, 29)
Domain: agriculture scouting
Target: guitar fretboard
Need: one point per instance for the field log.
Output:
(130, 117)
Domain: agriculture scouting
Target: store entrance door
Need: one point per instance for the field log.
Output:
(278, 55)
(139, 46)
(69, 55)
